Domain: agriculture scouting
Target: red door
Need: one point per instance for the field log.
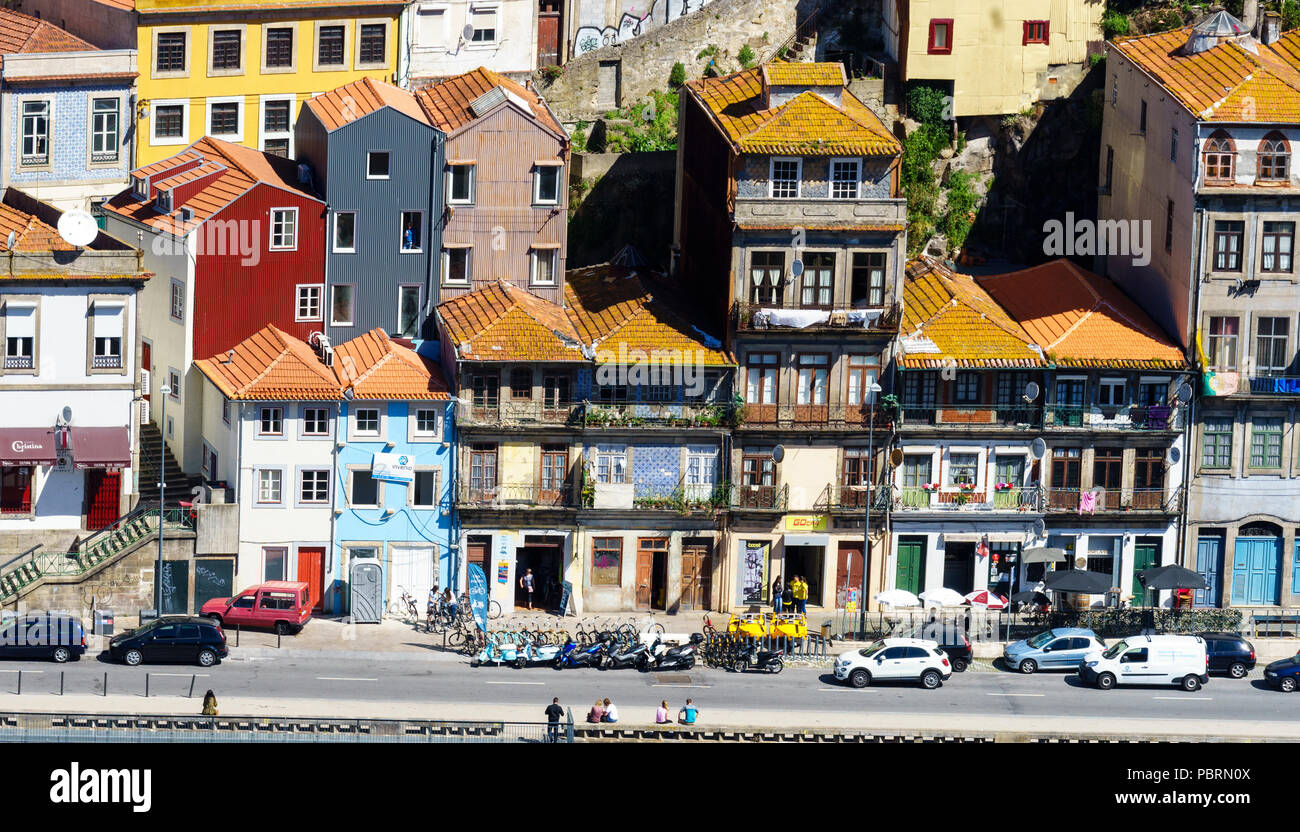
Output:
(146, 364)
(548, 33)
(103, 489)
(311, 569)
(848, 572)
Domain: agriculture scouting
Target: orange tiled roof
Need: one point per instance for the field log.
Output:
(350, 102)
(1080, 319)
(271, 365)
(804, 74)
(240, 169)
(948, 320)
(1232, 82)
(21, 33)
(200, 6)
(376, 368)
(807, 124)
(447, 102)
(502, 322)
(30, 233)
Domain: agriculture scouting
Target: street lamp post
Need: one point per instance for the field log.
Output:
(164, 391)
(872, 389)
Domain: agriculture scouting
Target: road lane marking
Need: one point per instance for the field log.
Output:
(1181, 698)
(343, 679)
(661, 685)
(514, 683)
(1015, 694)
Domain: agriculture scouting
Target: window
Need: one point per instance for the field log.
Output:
(270, 421)
(963, 469)
(1142, 117)
(482, 468)
(284, 228)
(1228, 235)
(611, 465)
(169, 53)
(767, 271)
(225, 410)
(412, 232)
(1173, 145)
(546, 185)
(431, 27)
(1069, 392)
(178, 301)
(967, 388)
(855, 470)
(555, 392)
(1114, 91)
(1216, 442)
(223, 118)
(227, 52)
(919, 389)
(1220, 158)
(1278, 243)
(818, 278)
(785, 174)
(862, 374)
(460, 184)
(174, 382)
(1274, 158)
(315, 421)
(757, 468)
(377, 164)
(701, 467)
(277, 126)
(812, 379)
(455, 265)
(372, 48)
(484, 25)
(367, 421)
(521, 383)
(1169, 226)
(1065, 468)
(761, 374)
(268, 485)
(426, 421)
(16, 489)
(330, 46)
(365, 489)
(1223, 342)
(868, 279)
(845, 176)
(940, 37)
(1108, 468)
(1266, 442)
(486, 390)
(543, 271)
(169, 121)
(1271, 357)
(314, 486)
(345, 232)
(342, 304)
(20, 336)
(1010, 469)
(1153, 393)
(279, 47)
(1036, 31)
(1110, 170)
(408, 311)
(104, 127)
(607, 561)
(426, 489)
(106, 334)
(36, 133)
(1110, 392)
(916, 470)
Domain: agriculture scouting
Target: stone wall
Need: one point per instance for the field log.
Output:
(621, 198)
(613, 76)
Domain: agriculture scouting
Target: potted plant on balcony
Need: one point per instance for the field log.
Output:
(588, 485)
(737, 411)
(964, 491)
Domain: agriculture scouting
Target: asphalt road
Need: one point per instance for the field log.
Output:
(450, 680)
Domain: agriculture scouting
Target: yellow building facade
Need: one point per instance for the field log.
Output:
(240, 71)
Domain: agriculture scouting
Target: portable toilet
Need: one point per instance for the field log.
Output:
(366, 585)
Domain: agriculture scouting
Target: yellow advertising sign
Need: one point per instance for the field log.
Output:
(805, 522)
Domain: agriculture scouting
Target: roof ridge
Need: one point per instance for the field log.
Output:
(577, 336)
(274, 362)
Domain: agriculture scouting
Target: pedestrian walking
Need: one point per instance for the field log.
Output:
(801, 594)
(553, 714)
(776, 594)
(597, 712)
(611, 712)
(661, 715)
(688, 713)
(209, 704)
(787, 598)
(527, 582)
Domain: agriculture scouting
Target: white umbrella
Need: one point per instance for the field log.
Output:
(984, 598)
(898, 598)
(942, 597)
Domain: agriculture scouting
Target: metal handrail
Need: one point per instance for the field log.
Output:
(838, 315)
(516, 494)
(766, 497)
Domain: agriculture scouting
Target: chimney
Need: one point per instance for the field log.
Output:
(1250, 14)
(1270, 28)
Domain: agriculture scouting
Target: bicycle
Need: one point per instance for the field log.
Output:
(405, 608)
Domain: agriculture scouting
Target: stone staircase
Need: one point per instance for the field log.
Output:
(179, 484)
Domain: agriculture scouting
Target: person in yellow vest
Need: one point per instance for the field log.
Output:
(800, 587)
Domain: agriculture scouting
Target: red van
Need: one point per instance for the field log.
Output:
(283, 606)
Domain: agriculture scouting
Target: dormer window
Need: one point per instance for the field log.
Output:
(1220, 156)
(164, 201)
(1274, 158)
(140, 187)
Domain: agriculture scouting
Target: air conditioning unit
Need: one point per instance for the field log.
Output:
(144, 383)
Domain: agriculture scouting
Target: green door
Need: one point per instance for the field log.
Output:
(1145, 556)
(911, 564)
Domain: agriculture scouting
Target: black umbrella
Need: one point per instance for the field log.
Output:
(1029, 597)
(1171, 577)
(1077, 580)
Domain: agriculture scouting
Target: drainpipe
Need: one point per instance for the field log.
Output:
(453, 524)
(334, 479)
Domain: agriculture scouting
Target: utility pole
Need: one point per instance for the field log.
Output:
(166, 391)
(871, 390)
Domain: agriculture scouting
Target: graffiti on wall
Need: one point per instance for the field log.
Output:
(635, 21)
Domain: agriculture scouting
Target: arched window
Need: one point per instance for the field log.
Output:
(1220, 157)
(1274, 158)
(1260, 528)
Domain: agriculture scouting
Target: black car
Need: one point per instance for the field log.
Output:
(51, 635)
(952, 641)
(171, 639)
(1229, 653)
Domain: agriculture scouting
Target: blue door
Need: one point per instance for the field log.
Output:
(1209, 563)
(1256, 570)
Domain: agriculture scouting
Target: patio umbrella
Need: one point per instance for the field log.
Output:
(1029, 596)
(1171, 577)
(942, 597)
(1045, 554)
(984, 598)
(1077, 580)
(898, 598)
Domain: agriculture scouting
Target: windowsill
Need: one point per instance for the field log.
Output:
(460, 204)
(278, 70)
(412, 251)
(377, 178)
(380, 65)
(329, 68)
(225, 73)
(169, 76)
(167, 142)
(282, 248)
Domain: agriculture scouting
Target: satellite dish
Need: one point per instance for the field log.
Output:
(12, 238)
(468, 32)
(1174, 456)
(1038, 448)
(796, 267)
(78, 228)
(1184, 393)
(1031, 391)
(348, 393)
(1040, 528)
(778, 453)
(896, 457)
(67, 414)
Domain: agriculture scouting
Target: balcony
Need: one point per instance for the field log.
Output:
(106, 362)
(18, 362)
(1274, 386)
(681, 497)
(973, 416)
(1122, 418)
(657, 415)
(505, 496)
(854, 498)
(1140, 500)
(522, 414)
(828, 214)
(787, 315)
(760, 497)
(813, 417)
(917, 498)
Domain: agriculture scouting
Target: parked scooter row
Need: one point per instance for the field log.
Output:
(606, 651)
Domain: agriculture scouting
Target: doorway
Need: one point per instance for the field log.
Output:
(910, 574)
(1256, 566)
(1209, 564)
(1146, 554)
(103, 489)
(807, 562)
(959, 567)
(311, 568)
(548, 32)
(652, 573)
(848, 572)
(543, 555)
(697, 575)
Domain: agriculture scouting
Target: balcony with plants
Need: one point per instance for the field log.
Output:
(1001, 497)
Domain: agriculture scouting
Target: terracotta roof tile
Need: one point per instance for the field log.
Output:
(948, 320)
(21, 33)
(30, 233)
(501, 322)
(447, 102)
(350, 102)
(225, 6)
(804, 74)
(377, 368)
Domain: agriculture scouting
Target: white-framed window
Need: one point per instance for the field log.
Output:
(484, 22)
(424, 491)
(456, 265)
(107, 326)
(408, 311)
(105, 130)
(812, 378)
(313, 486)
(1110, 392)
(426, 423)
(701, 467)
(226, 118)
(20, 334)
(163, 203)
(364, 489)
(343, 304)
(784, 176)
(546, 185)
(315, 421)
(170, 121)
(35, 150)
(431, 27)
(345, 232)
(279, 47)
(366, 421)
(270, 486)
(308, 306)
(284, 229)
(174, 382)
(270, 421)
(274, 559)
(846, 174)
(543, 266)
(177, 308)
(460, 184)
(411, 232)
(276, 124)
(611, 465)
(377, 163)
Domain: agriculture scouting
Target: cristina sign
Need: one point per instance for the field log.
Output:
(399, 468)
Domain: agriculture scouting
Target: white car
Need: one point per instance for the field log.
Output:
(1149, 660)
(895, 658)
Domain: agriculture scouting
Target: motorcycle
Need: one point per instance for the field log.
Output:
(662, 657)
(626, 655)
(751, 657)
(572, 655)
(534, 653)
(496, 651)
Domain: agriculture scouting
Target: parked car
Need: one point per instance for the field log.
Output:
(1057, 649)
(49, 635)
(892, 659)
(952, 640)
(1229, 653)
(1149, 660)
(180, 638)
(1284, 674)
(283, 606)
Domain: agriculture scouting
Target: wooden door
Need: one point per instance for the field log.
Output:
(645, 560)
(697, 577)
(548, 33)
(103, 489)
(1255, 570)
(911, 565)
(478, 553)
(311, 568)
(1209, 563)
(1145, 556)
(848, 572)
(555, 474)
(146, 364)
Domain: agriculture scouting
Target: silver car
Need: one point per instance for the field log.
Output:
(1058, 649)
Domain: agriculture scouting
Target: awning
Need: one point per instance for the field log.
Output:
(807, 540)
(994, 537)
(27, 446)
(101, 447)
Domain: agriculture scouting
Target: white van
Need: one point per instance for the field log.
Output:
(1149, 660)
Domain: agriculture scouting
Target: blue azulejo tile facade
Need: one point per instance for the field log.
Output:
(73, 134)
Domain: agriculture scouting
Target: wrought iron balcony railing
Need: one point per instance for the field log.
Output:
(762, 497)
(951, 498)
(515, 495)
